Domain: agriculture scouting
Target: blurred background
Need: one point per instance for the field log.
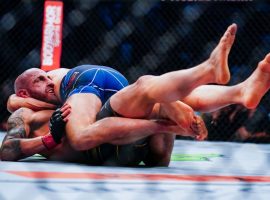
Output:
(139, 37)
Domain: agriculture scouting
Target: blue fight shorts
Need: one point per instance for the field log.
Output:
(99, 80)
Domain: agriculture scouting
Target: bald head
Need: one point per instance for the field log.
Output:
(37, 84)
(23, 81)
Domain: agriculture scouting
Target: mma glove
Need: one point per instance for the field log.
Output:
(57, 126)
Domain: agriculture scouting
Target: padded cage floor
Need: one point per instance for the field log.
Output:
(198, 170)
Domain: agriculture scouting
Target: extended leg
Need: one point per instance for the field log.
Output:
(208, 98)
(137, 100)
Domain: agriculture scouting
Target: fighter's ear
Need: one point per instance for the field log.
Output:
(23, 93)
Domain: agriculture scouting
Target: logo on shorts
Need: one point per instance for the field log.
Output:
(72, 79)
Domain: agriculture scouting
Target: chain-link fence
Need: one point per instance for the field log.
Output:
(145, 37)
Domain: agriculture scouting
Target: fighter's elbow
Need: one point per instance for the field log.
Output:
(11, 106)
(77, 141)
(74, 141)
(6, 156)
(82, 141)
(76, 145)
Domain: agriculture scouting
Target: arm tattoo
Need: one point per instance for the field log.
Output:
(15, 125)
(11, 147)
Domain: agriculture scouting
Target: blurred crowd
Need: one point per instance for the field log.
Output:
(144, 37)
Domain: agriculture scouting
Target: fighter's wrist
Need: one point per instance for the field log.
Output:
(48, 141)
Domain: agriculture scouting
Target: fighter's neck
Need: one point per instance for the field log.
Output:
(57, 76)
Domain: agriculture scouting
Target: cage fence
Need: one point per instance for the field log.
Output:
(146, 37)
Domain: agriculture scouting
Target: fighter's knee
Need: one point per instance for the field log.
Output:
(143, 84)
(144, 81)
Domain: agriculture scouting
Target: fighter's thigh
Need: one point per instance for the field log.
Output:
(84, 107)
(160, 150)
(135, 100)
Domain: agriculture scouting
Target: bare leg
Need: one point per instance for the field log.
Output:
(138, 99)
(254, 88)
(208, 98)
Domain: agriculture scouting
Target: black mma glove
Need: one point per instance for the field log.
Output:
(57, 125)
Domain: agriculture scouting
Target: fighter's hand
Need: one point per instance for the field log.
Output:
(58, 122)
(199, 128)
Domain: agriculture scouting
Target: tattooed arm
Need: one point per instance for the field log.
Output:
(16, 144)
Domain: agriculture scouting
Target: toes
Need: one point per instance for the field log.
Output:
(230, 33)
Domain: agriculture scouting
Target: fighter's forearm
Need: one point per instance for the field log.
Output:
(120, 131)
(15, 102)
(16, 148)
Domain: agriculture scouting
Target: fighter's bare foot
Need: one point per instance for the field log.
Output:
(219, 57)
(254, 88)
(183, 115)
(179, 112)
